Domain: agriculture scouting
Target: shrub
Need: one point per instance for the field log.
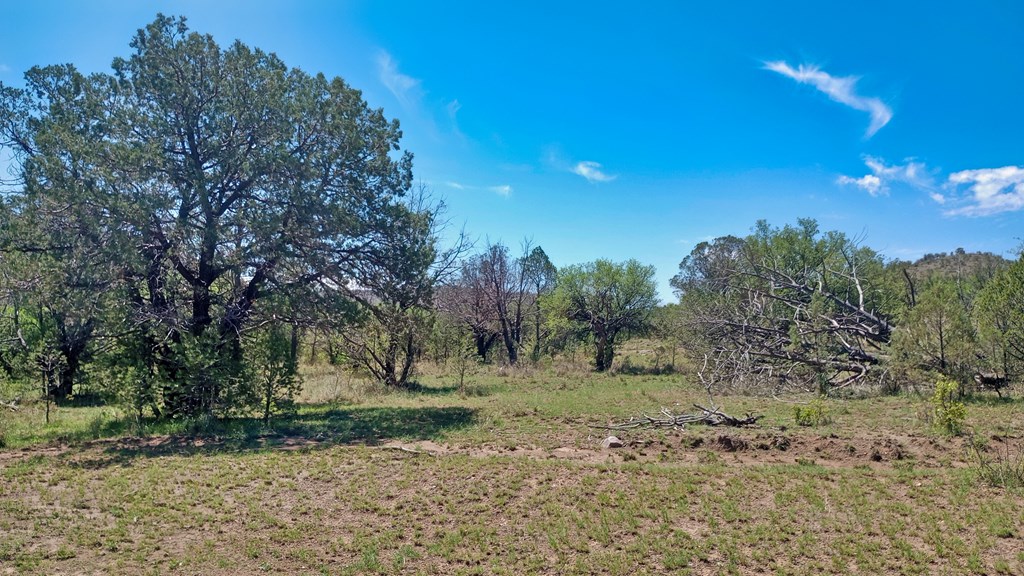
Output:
(948, 412)
(814, 413)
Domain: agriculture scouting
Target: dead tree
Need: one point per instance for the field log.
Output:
(786, 307)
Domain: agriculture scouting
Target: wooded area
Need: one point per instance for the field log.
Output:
(177, 232)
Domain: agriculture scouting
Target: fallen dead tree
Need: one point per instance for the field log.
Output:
(666, 419)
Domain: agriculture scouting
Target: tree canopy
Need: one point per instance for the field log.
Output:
(606, 299)
(207, 186)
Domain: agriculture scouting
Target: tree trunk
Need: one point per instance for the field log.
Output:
(510, 343)
(605, 351)
(600, 345)
(483, 342)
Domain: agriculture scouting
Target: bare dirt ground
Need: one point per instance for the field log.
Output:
(734, 446)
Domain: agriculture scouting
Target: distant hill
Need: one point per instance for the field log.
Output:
(958, 264)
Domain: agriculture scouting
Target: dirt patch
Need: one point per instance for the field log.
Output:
(747, 446)
(731, 443)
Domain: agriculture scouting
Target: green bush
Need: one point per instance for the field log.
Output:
(948, 412)
(814, 413)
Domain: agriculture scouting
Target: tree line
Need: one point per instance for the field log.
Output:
(175, 230)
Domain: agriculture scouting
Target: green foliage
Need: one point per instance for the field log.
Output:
(814, 413)
(999, 314)
(948, 412)
(542, 277)
(785, 305)
(392, 288)
(606, 299)
(167, 204)
(936, 335)
(272, 355)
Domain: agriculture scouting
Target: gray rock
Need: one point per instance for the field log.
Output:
(611, 442)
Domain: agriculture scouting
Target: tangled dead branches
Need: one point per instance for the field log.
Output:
(708, 416)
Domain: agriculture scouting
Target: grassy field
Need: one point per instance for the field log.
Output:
(506, 476)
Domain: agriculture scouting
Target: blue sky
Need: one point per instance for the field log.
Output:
(633, 130)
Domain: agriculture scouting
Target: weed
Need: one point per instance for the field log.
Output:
(948, 413)
(205, 424)
(814, 413)
(1000, 466)
(708, 457)
(96, 426)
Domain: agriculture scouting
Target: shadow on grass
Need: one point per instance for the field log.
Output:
(417, 389)
(313, 427)
(83, 400)
(991, 399)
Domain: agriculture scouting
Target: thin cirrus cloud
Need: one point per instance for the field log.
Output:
(592, 172)
(989, 191)
(839, 89)
(504, 190)
(882, 176)
(452, 110)
(406, 89)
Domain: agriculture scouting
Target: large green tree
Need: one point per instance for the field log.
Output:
(541, 275)
(209, 178)
(608, 300)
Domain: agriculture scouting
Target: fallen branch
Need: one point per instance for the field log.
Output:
(13, 406)
(407, 450)
(707, 416)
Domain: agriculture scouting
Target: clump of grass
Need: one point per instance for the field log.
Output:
(96, 425)
(205, 424)
(814, 413)
(1001, 467)
(474, 390)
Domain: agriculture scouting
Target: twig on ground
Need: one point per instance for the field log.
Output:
(408, 450)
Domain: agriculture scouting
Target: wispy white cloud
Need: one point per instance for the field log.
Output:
(592, 172)
(988, 191)
(555, 158)
(4, 68)
(869, 182)
(453, 108)
(839, 89)
(504, 190)
(882, 176)
(406, 89)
